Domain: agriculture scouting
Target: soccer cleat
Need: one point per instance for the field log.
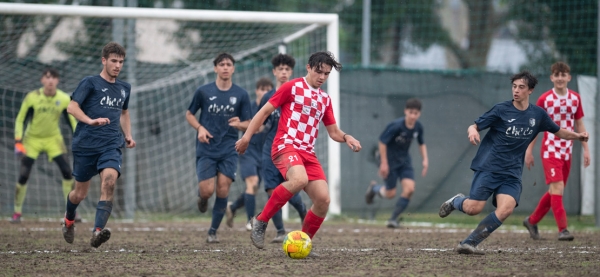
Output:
(249, 225)
(279, 238)
(447, 206)
(16, 218)
(68, 230)
(202, 204)
(99, 237)
(532, 228)
(565, 235)
(229, 214)
(468, 249)
(212, 238)
(392, 224)
(258, 232)
(370, 194)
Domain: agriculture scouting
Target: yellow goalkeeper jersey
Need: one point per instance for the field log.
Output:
(44, 113)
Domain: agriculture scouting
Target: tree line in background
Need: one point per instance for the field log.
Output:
(547, 30)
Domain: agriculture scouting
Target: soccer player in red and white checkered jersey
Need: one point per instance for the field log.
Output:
(564, 107)
(303, 105)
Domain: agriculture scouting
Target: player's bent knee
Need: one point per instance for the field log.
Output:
(77, 196)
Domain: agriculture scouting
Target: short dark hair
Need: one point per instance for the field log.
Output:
(413, 103)
(283, 59)
(560, 67)
(528, 77)
(113, 48)
(53, 72)
(317, 59)
(264, 82)
(223, 56)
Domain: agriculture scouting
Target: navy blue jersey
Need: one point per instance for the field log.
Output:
(502, 150)
(270, 124)
(99, 98)
(397, 137)
(216, 108)
(256, 142)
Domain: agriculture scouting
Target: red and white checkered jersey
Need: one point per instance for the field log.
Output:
(564, 110)
(302, 108)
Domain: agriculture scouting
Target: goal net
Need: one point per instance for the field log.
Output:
(170, 54)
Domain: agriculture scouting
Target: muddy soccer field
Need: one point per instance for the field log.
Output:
(36, 248)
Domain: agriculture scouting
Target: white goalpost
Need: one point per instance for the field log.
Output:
(170, 54)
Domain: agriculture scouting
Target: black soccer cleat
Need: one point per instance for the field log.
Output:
(565, 235)
(447, 206)
(468, 249)
(279, 238)
(258, 232)
(68, 230)
(532, 228)
(99, 237)
(370, 194)
(212, 238)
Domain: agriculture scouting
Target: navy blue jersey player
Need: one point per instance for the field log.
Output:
(396, 162)
(225, 110)
(498, 164)
(100, 105)
(250, 163)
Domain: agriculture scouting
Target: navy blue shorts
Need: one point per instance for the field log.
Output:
(86, 165)
(486, 184)
(207, 168)
(249, 166)
(271, 175)
(404, 172)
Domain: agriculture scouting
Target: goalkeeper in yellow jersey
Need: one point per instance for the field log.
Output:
(42, 109)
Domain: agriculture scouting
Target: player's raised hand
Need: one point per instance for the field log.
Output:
(129, 142)
(203, 135)
(241, 145)
(353, 143)
(100, 121)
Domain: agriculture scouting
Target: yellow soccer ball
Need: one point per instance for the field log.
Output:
(297, 245)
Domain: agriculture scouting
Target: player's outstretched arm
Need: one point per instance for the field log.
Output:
(336, 134)
(259, 118)
(566, 134)
(126, 127)
(473, 133)
(76, 111)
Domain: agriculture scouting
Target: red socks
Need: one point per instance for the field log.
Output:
(312, 223)
(279, 197)
(541, 210)
(559, 212)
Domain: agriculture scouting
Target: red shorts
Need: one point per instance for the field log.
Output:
(288, 157)
(556, 170)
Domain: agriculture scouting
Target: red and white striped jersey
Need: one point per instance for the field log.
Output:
(564, 110)
(302, 108)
